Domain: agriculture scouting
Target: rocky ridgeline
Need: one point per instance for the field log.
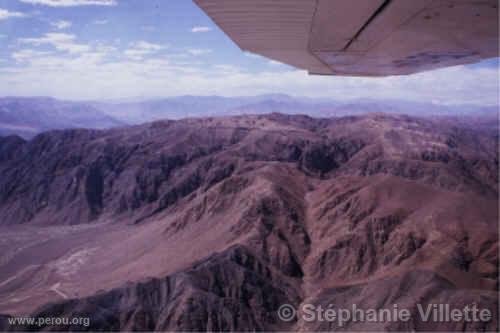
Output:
(372, 210)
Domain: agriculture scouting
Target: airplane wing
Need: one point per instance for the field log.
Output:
(361, 37)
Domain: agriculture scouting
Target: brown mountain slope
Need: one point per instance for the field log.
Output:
(214, 223)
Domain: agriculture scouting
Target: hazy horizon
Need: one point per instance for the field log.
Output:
(28, 116)
(142, 99)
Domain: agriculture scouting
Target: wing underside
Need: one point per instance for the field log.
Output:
(362, 37)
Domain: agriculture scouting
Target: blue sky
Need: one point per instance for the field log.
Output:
(112, 49)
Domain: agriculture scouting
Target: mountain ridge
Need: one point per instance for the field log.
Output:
(213, 223)
(28, 116)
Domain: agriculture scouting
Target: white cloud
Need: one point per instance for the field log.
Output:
(142, 48)
(274, 63)
(106, 48)
(200, 29)
(147, 46)
(72, 3)
(108, 72)
(253, 55)
(226, 69)
(61, 24)
(28, 55)
(60, 41)
(50, 38)
(5, 14)
(197, 52)
(101, 22)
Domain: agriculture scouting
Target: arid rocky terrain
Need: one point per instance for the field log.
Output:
(213, 223)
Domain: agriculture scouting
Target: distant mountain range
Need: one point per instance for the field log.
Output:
(28, 116)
